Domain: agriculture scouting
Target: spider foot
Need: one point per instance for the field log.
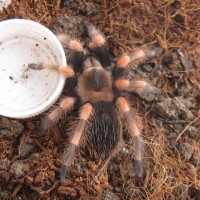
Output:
(63, 172)
(67, 160)
(139, 168)
(35, 66)
(149, 93)
(154, 52)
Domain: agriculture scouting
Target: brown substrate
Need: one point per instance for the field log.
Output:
(30, 165)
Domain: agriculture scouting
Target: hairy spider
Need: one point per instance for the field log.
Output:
(99, 89)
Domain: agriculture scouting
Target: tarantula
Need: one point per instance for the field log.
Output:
(99, 88)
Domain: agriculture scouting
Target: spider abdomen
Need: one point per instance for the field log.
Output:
(105, 130)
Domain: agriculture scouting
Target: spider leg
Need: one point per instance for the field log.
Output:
(98, 44)
(76, 138)
(134, 132)
(143, 88)
(76, 47)
(136, 57)
(67, 71)
(53, 117)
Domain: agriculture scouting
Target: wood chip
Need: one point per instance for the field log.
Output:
(63, 190)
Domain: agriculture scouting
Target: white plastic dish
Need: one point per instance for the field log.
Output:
(25, 92)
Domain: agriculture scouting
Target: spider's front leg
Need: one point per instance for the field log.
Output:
(67, 71)
(143, 88)
(78, 52)
(76, 139)
(126, 61)
(77, 57)
(137, 56)
(97, 45)
(134, 132)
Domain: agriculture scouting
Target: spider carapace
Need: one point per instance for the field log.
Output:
(99, 88)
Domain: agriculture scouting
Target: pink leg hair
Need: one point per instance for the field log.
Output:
(71, 44)
(137, 56)
(78, 52)
(97, 37)
(142, 88)
(65, 70)
(134, 132)
(97, 44)
(76, 139)
(59, 111)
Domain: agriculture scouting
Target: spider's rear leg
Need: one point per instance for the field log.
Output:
(134, 132)
(53, 116)
(78, 53)
(143, 88)
(76, 139)
(98, 44)
(67, 71)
